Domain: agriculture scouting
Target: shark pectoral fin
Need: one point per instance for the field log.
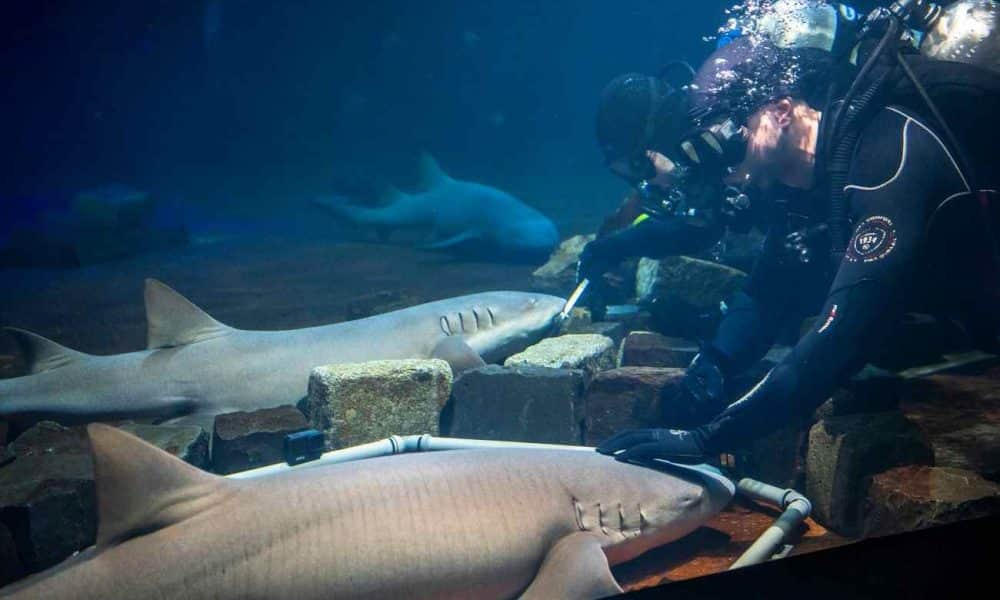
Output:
(458, 354)
(141, 488)
(576, 569)
(452, 241)
(173, 320)
(42, 354)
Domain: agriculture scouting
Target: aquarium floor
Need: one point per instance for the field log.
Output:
(717, 545)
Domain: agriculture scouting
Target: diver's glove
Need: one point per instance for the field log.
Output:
(698, 397)
(643, 445)
(598, 257)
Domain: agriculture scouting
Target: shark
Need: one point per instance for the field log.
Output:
(490, 523)
(461, 216)
(195, 367)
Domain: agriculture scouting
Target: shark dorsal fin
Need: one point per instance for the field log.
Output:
(42, 354)
(141, 488)
(173, 320)
(431, 174)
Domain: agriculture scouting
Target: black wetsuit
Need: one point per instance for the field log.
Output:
(919, 232)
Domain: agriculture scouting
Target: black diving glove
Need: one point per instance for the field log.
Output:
(598, 257)
(643, 445)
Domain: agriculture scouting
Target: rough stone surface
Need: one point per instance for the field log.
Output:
(189, 443)
(845, 452)
(522, 403)
(625, 398)
(558, 275)
(47, 501)
(247, 440)
(10, 563)
(589, 352)
(778, 458)
(610, 329)
(363, 402)
(872, 390)
(650, 349)
(960, 415)
(910, 498)
(683, 293)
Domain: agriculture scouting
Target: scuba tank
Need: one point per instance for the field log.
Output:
(966, 32)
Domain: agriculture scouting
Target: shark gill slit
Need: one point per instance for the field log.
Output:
(445, 325)
(461, 322)
(493, 319)
(475, 316)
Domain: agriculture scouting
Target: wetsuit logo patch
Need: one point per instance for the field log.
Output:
(874, 240)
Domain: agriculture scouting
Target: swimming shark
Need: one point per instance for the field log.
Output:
(195, 367)
(462, 216)
(490, 524)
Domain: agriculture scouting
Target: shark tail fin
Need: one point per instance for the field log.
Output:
(141, 488)
(173, 320)
(430, 172)
(42, 354)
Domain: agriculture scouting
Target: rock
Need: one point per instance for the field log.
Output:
(916, 497)
(845, 452)
(521, 403)
(189, 443)
(49, 438)
(871, 390)
(558, 275)
(683, 294)
(615, 331)
(10, 563)
(589, 352)
(363, 402)
(960, 415)
(625, 398)
(778, 458)
(247, 440)
(47, 500)
(650, 349)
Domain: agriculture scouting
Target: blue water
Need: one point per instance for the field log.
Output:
(247, 108)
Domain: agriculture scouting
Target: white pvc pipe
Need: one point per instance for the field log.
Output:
(400, 445)
(795, 507)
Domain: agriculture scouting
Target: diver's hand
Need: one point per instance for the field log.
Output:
(698, 397)
(595, 261)
(641, 445)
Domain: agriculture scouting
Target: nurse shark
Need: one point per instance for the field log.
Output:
(196, 367)
(460, 215)
(492, 524)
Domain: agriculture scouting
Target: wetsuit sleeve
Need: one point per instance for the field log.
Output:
(900, 173)
(657, 238)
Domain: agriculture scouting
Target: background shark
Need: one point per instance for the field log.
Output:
(195, 367)
(462, 216)
(490, 524)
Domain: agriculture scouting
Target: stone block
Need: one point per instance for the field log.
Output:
(625, 398)
(247, 440)
(589, 352)
(613, 330)
(909, 498)
(683, 294)
(558, 275)
(650, 349)
(845, 452)
(363, 402)
(522, 403)
(188, 443)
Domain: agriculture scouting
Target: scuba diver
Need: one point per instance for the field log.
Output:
(890, 137)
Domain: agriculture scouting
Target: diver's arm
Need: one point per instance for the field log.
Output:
(652, 237)
(902, 172)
